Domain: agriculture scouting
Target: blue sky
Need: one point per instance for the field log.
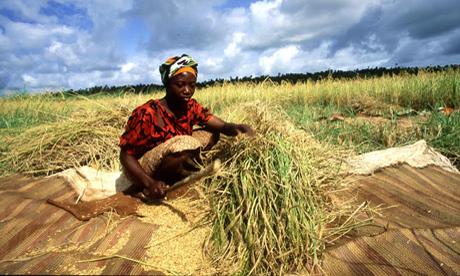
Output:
(60, 44)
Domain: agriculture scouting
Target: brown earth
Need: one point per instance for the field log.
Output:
(402, 122)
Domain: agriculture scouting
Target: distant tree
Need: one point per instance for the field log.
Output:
(279, 78)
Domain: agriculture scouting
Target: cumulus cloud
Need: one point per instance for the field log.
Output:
(233, 48)
(179, 24)
(39, 52)
(410, 32)
(277, 23)
(61, 44)
(284, 56)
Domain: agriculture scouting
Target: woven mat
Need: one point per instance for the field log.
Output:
(418, 235)
(39, 238)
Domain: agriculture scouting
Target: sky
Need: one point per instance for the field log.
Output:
(54, 45)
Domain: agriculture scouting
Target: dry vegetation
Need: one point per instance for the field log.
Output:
(269, 209)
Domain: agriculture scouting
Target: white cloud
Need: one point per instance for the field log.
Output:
(350, 58)
(57, 51)
(29, 79)
(279, 60)
(234, 48)
(280, 23)
(63, 52)
(29, 36)
(266, 11)
(125, 68)
(28, 10)
(213, 64)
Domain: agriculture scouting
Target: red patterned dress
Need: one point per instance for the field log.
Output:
(151, 124)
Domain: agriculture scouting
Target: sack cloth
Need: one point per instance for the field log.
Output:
(417, 155)
(99, 192)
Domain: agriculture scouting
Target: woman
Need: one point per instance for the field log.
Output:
(152, 126)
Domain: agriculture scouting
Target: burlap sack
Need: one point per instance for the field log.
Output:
(152, 159)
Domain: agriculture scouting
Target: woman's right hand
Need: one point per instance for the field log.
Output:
(155, 189)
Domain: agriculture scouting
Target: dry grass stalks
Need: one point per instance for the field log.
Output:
(89, 138)
(270, 211)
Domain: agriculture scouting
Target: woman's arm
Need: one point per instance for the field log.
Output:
(137, 174)
(229, 129)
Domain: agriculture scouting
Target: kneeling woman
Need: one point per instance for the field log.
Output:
(159, 138)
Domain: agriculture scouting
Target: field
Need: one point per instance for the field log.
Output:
(272, 202)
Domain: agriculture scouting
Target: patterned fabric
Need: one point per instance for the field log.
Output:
(176, 65)
(151, 124)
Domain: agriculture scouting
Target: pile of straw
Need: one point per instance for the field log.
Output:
(88, 138)
(270, 209)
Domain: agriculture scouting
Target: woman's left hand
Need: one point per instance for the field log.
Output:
(246, 129)
(218, 125)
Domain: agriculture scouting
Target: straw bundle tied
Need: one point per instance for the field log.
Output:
(269, 209)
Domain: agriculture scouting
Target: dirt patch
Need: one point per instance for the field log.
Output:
(406, 122)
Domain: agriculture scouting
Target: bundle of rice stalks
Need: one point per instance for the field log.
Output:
(269, 208)
(88, 138)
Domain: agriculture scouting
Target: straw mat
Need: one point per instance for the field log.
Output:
(418, 232)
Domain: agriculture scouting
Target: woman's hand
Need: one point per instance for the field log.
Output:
(155, 189)
(218, 125)
(246, 129)
(235, 129)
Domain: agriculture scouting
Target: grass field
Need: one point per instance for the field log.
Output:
(271, 204)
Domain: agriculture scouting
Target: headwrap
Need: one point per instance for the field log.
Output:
(176, 65)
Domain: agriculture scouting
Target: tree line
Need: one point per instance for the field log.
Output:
(289, 78)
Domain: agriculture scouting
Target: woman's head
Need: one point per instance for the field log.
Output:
(181, 87)
(178, 74)
(176, 65)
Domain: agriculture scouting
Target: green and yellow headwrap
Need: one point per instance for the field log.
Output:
(176, 65)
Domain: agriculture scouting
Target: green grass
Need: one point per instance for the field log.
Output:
(443, 133)
(359, 136)
(438, 130)
(26, 111)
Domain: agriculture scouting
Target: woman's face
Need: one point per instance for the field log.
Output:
(181, 87)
